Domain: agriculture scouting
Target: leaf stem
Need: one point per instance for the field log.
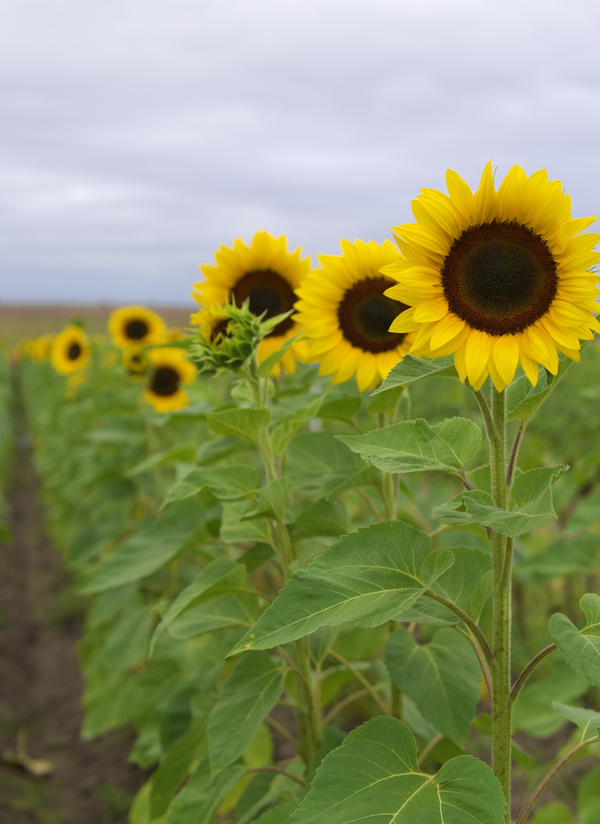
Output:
(548, 778)
(370, 503)
(428, 747)
(344, 703)
(467, 621)
(520, 682)
(360, 677)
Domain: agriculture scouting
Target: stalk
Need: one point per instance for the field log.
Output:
(502, 571)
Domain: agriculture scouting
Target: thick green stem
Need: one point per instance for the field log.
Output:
(502, 571)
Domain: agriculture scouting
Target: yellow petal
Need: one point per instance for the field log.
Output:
(530, 367)
(478, 348)
(431, 310)
(485, 199)
(506, 358)
(497, 379)
(348, 363)
(446, 329)
(366, 372)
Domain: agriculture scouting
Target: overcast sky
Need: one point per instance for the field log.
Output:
(136, 136)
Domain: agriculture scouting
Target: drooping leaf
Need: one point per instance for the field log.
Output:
(273, 500)
(443, 678)
(251, 692)
(243, 423)
(228, 483)
(588, 721)
(411, 369)
(373, 776)
(366, 577)
(181, 759)
(580, 651)
(328, 518)
(170, 533)
(219, 578)
(199, 800)
(414, 446)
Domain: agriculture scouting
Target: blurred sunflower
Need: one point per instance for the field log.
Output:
(496, 277)
(347, 316)
(136, 326)
(135, 360)
(41, 348)
(70, 350)
(265, 274)
(168, 370)
(213, 324)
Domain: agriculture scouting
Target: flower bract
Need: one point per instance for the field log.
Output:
(347, 316)
(496, 277)
(265, 275)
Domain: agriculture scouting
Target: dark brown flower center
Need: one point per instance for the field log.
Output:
(137, 363)
(499, 277)
(266, 291)
(74, 351)
(165, 381)
(136, 329)
(365, 315)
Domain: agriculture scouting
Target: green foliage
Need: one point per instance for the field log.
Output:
(374, 775)
(581, 650)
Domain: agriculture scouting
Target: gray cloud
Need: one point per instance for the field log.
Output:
(138, 136)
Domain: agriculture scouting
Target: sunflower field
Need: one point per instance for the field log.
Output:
(339, 541)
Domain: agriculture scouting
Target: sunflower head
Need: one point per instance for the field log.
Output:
(71, 350)
(227, 337)
(136, 360)
(347, 316)
(496, 277)
(264, 275)
(168, 371)
(136, 326)
(41, 348)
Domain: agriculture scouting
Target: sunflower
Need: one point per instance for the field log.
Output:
(41, 348)
(213, 324)
(168, 370)
(70, 350)
(266, 275)
(136, 326)
(496, 277)
(347, 316)
(135, 360)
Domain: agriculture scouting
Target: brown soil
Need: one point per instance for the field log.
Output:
(41, 685)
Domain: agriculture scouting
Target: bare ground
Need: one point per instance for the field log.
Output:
(41, 685)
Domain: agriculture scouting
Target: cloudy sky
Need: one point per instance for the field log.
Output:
(138, 135)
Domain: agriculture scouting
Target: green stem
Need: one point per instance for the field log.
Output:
(502, 571)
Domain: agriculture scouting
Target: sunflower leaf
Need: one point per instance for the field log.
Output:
(273, 359)
(415, 446)
(243, 423)
(227, 483)
(443, 678)
(367, 577)
(411, 369)
(588, 721)
(374, 775)
(273, 500)
(581, 652)
(523, 399)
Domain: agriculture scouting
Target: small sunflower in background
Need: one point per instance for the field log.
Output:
(265, 274)
(173, 334)
(71, 350)
(136, 326)
(168, 370)
(497, 277)
(213, 324)
(136, 360)
(41, 348)
(346, 315)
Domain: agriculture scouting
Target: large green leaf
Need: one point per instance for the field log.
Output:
(414, 446)
(170, 533)
(588, 721)
(531, 498)
(443, 678)
(411, 369)
(374, 777)
(367, 577)
(326, 518)
(243, 423)
(280, 814)
(199, 800)
(181, 759)
(319, 464)
(227, 483)
(222, 613)
(251, 692)
(581, 650)
(219, 578)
